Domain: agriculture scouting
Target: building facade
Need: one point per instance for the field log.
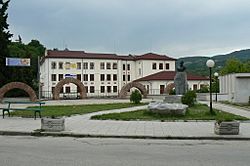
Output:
(101, 74)
(235, 87)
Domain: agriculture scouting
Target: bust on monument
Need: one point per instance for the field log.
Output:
(180, 80)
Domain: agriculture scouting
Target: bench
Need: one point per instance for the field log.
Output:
(11, 103)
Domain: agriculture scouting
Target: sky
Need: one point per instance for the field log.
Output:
(177, 28)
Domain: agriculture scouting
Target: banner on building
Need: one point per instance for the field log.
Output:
(70, 76)
(17, 61)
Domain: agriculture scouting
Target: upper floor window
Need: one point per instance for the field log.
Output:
(167, 65)
(53, 65)
(102, 65)
(78, 65)
(108, 77)
(114, 65)
(85, 65)
(60, 77)
(92, 77)
(123, 77)
(102, 77)
(154, 66)
(128, 77)
(85, 77)
(160, 66)
(92, 65)
(53, 77)
(60, 65)
(108, 66)
(114, 77)
(128, 66)
(124, 67)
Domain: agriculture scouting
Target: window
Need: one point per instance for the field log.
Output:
(60, 77)
(108, 66)
(78, 65)
(114, 65)
(67, 89)
(108, 77)
(167, 65)
(195, 87)
(102, 65)
(124, 67)
(92, 77)
(53, 77)
(114, 89)
(92, 65)
(67, 65)
(85, 65)
(53, 65)
(114, 77)
(109, 89)
(102, 89)
(78, 76)
(124, 77)
(154, 66)
(128, 66)
(139, 72)
(102, 77)
(85, 77)
(128, 77)
(60, 65)
(87, 89)
(92, 89)
(160, 66)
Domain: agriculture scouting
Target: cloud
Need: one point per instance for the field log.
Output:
(182, 28)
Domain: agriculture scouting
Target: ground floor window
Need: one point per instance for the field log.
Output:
(92, 89)
(114, 89)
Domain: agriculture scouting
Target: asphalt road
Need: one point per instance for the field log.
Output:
(49, 151)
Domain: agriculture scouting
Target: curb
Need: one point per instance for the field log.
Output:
(60, 134)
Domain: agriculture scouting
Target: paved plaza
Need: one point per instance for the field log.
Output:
(81, 125)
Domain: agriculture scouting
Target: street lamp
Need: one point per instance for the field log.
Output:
(216, 86)
(210, 64)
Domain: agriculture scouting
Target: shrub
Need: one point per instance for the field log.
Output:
(136, 97)
(203, 89)
(172, 92)
(189, 98)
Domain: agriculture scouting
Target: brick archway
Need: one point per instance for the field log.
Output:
(169, 87)
(18, 85)
(125, 88)
(60, 84)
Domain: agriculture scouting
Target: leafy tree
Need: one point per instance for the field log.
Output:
(136, 97)
(235, 66)
(5, 36)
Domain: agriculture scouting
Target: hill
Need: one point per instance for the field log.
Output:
(197, 64)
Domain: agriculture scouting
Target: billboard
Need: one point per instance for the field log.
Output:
(17, 61)
(70, 76)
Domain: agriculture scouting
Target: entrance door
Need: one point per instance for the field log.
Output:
(162, 87)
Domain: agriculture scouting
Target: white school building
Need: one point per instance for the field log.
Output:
(105, 74)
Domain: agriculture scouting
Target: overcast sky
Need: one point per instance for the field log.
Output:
(176, 28)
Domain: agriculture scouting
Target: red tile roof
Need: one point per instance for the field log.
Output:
(82, 54)
(169, 75)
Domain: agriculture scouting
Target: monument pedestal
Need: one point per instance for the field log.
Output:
(172, 99)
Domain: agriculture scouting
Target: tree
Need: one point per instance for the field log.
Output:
(5, 36)
(235, 66)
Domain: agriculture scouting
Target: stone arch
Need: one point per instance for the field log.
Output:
(18, 85)
(60, 84)
(125, 88)
(169, 87)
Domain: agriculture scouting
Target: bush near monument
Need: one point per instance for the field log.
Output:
(136, 97)
(189, 98)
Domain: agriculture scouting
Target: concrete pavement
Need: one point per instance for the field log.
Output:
(82, 126)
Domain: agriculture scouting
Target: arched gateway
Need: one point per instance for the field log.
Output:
(18, 85)
(60, 84)
(125, 88)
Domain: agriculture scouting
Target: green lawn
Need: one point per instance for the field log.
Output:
(197, 112)
(59, 111)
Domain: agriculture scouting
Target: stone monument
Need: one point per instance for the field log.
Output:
(180, 80)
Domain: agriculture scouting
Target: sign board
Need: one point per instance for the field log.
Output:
(69, 65)
(17, 61)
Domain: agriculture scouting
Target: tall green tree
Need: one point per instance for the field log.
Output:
(235, 66)
(5, 36)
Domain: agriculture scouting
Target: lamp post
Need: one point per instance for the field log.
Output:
(210, 64)
(216, 86)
